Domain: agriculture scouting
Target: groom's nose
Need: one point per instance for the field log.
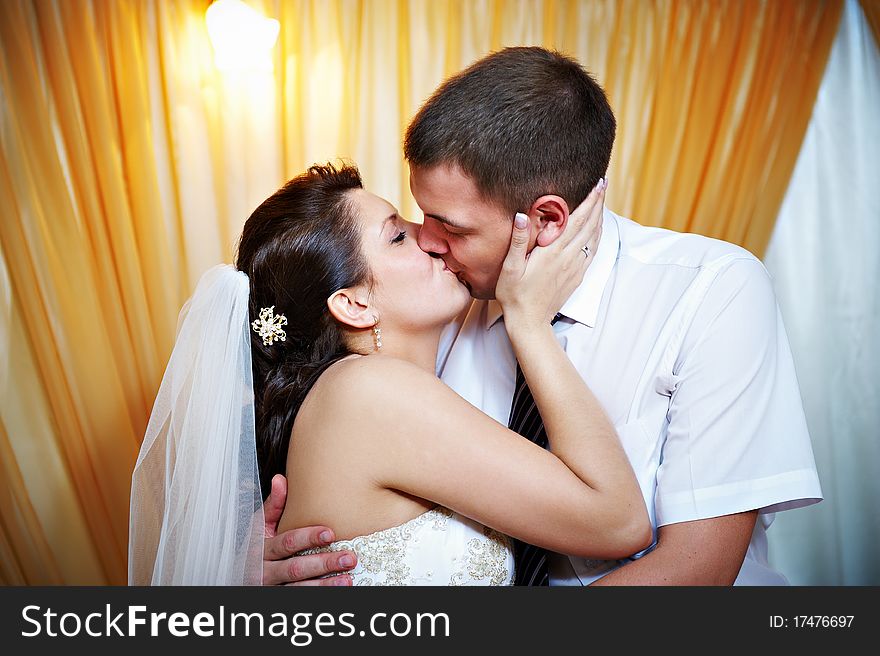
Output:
(429, 238)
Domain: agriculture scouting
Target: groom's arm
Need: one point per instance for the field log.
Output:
(702, 552)
(736, 440)
(281, 566)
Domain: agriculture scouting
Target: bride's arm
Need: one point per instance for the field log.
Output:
(530, 290)
(578, 431)
(437, 446)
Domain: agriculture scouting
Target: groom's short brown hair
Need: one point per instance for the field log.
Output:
(521, 122)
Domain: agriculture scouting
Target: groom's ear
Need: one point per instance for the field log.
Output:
(551, 213)
(350, 306)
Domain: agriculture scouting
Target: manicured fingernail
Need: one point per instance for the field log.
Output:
(326, 537)
(520, 220)
(346, 561)
(342, 580)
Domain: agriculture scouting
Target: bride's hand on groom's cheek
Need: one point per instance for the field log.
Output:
(281, 567)
(533, 286)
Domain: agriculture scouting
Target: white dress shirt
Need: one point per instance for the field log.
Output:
(680, 338)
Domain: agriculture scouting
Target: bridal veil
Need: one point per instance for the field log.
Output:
(196, 508)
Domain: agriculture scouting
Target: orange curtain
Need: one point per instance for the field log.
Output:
(714, 110)
(129, 164)
(871, 9)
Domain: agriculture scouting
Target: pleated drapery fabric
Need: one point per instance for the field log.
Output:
(129, 164)
(825, 265)
(871, 10)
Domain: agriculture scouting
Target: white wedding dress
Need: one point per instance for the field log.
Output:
(439, 547)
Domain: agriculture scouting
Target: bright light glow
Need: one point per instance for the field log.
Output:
(242, 37)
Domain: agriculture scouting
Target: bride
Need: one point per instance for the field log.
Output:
(315, 356)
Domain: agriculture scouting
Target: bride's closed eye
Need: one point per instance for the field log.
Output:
(399, 238)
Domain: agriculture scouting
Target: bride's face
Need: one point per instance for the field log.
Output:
(411, 290)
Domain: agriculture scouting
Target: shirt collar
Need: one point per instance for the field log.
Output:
(583, 305)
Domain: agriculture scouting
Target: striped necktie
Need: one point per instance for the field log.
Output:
(530, 562)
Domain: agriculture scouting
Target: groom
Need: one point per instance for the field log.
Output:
(678, 335)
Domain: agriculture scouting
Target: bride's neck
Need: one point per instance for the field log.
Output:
(419, 348)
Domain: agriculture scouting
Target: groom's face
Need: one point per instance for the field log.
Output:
(470, 233)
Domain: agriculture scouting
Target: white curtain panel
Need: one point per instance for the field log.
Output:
(825, 259)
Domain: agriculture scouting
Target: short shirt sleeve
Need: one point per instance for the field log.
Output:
(737, 437)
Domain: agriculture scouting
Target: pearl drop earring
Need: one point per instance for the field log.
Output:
(377, 332)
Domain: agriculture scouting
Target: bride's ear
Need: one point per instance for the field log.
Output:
(351, 307)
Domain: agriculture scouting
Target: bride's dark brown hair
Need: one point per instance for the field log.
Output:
(297, 248)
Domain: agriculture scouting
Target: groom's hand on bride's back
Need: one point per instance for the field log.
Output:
(281, 567)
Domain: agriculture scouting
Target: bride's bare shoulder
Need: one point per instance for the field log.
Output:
(357, 403)
(369, 382)
(371, 378)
